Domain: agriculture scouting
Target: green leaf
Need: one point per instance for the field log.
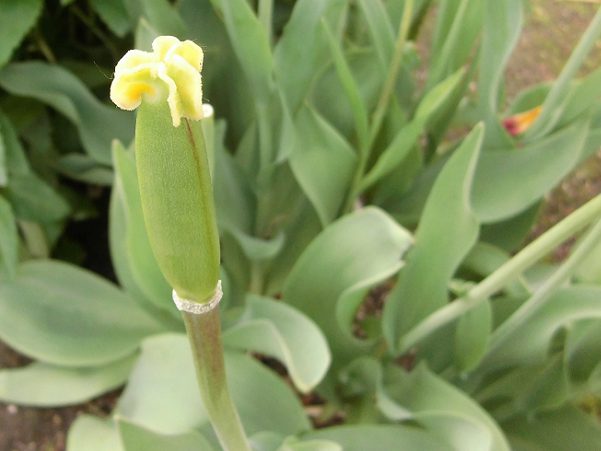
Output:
(64, 315)
(294, 444)
(114, 14)
(502, 27)
(141, 262)
(529, 344)
(264, 401)
(257, 249)
(303, 40)
(323, 163)
(9, 240)
(96, 123)
(457, 29)
(250, 43)
(273, 328)
(83, 168)
(162, 392)
(444, 410)
(582, 349)
(387, 437)
(380, 29)
(446, 232)
(509, 181)
(89, 433)
(34, 200)
(555, 102)
(43, 385)
(403, 143)
(351, 89)
(471, 337)
(137, 438)
(567, 428)
(16, 19)
(436, 97)
(161, 15)
(364, 248)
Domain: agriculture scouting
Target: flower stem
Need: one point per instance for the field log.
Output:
(507, 272)
(204, 334)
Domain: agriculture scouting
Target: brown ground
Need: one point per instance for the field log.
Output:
(551, 32)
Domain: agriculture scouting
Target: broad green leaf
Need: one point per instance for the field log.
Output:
(567, 428)
(294, 444)
(395, 153)
(471, 337)
(582, 349)
(444, 410)
(509, 181)
(380, 29)
(387, 437)
(511, 233)
(323, 163)
(142, 264)
(257, 249)
(264, 401)
(16, 161)
(364, 248)
(250, 43)
(407, 137)
(557, 98)
(436, 97)
(234, 199)
(501, 31)
(90, 433)
(351, 89)
(114, 14)
(9, 240)
(273, 328)
(161, 15)
(35, 200)
(98, 124)
(137, 438)
(530, 343)
(584, 95)
(447, 230)
(44, 385)
(16, 19)
(162, 392)
(83, 168)
(303, 40)
(64, 315)
(459, 25)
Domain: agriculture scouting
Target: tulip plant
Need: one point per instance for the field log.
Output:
(368, 230)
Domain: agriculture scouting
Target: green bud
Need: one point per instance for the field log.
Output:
(172, 164)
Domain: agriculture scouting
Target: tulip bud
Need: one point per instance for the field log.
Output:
(171, 160)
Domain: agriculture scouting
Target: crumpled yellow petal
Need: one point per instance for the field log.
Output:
(170, 72)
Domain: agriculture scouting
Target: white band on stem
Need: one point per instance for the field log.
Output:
(197, 308)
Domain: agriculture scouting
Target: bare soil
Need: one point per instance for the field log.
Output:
(551, 31)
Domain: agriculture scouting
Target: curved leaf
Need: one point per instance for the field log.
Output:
(387, 438)
(509, 181)
(64, 315)
(16, 18)
(162, 392)
(9, 240)
(323, 163)
(89, 433)
(97, 123)
(530, 343)
(137, 438)
(364, 248)
(447, 231)
(278, 330)
(43, 385)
